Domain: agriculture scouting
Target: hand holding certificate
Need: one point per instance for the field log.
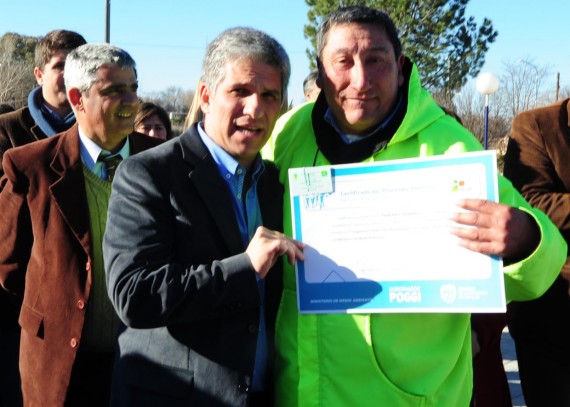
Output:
(379, 236)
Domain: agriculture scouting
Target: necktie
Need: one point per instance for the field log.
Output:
(111, 163)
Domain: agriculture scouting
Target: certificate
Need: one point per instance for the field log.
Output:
(378, 236)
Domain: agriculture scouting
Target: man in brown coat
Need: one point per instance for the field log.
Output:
(53, 205)
(537, 162)
(48, 112)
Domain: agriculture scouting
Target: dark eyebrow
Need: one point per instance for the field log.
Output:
(376, 48)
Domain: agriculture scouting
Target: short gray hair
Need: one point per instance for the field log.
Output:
(82, 63)
(244, 43)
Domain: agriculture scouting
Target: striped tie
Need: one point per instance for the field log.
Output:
(110, 162)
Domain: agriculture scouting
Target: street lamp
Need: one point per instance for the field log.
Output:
(487, 84)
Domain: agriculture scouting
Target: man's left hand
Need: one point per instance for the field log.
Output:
(496, 229)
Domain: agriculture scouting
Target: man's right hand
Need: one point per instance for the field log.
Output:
(267, 246)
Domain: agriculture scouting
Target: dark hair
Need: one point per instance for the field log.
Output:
(358, 15)
(148, 109)
(55, 41)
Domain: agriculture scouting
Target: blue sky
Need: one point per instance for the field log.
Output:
(167, 38)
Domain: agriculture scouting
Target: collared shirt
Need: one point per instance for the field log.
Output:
(351, 138)
(248, 215)
(90, 152)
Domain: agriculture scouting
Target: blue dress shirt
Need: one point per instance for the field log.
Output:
(248, 215)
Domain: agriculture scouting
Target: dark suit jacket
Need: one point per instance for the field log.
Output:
(538, 163)
(179, 279)
(44, 230)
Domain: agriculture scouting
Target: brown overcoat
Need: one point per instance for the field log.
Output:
(17, 129)
(538, 163)
(44, 230)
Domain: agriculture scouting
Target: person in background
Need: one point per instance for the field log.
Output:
(537, 162)
(53, 206)
(310, 87)
(195, 112)
(193, 239)
(47, 113)
(152, 120)
(490, 382)
(371, 108)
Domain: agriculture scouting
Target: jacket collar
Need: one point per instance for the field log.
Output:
(204, 175)
(68, 188)
(46, 120)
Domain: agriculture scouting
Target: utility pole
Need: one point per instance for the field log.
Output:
(557, 86)
(107, 21)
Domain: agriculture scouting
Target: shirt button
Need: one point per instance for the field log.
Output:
(73, 342)
(239, 171)
(238, 196)
(228, 176)
(80, 304)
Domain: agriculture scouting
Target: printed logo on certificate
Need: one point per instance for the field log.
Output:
(378, 236)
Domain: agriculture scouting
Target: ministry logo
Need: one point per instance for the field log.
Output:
(448, 293)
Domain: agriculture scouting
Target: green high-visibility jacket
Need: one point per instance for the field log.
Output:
(392, 360)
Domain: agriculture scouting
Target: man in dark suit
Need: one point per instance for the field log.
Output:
(53, 204)
(190, 269)
(538, 165)
(48, 112)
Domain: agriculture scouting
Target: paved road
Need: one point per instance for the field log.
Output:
(512, 369)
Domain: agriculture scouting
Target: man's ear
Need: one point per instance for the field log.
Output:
(401, 61)
(39, 76)
(204, 93)
(319, 80)
(75, 98)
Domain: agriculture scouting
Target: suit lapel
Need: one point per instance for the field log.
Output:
(270, 195)
(140, 142)
(68, 189)
(213, 190)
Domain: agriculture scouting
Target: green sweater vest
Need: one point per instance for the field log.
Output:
(101, 322)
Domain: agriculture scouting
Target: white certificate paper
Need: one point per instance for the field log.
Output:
(378, 236)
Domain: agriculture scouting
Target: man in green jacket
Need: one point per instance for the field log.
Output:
(372, 108)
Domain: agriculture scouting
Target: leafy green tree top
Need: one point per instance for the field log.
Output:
(436, 35)
(18, 47)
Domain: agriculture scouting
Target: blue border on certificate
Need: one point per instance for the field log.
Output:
(459, 296)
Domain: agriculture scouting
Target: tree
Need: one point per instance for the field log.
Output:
(521, 86)
(468, 105)
(447, 47)
(16, 68)
(173, 99)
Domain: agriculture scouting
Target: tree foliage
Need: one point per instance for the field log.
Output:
(16, 68)
(447, 46)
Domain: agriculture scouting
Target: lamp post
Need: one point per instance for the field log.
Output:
(107, 21)
(487, 84)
